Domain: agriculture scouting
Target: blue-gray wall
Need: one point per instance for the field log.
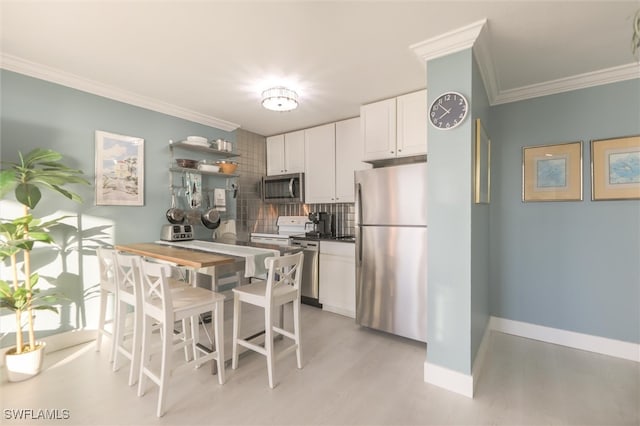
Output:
(36, 113)
(567, 265)
(480, 235)
(449, 183)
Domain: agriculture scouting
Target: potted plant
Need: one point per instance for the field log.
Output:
(39, 169)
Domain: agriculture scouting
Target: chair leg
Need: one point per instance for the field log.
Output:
(101, 318)
(236, 326)
(194, 323)
(186, 325)
(268, 345)
(136, 346)
(218, 331)
(119, 338)
(114, 325)
(296, 331)
(165, 368)
(145, 355)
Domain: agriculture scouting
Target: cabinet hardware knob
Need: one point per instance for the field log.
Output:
(391, 152)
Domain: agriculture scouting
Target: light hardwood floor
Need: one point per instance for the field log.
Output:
(351, 376)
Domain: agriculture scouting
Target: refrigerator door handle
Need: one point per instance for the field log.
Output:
(359, 219)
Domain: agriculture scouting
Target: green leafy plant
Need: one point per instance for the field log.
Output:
(39, 170)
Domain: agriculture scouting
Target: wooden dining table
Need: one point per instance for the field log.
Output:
(179, 255)
(194, 259)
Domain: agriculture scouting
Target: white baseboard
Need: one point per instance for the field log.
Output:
(463, 384)
(450, 380)
(338, 310)
(62, 341)
(587, 342)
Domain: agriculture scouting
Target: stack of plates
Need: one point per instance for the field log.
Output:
(197, 140)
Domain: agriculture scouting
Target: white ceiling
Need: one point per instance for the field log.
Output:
(209, 60)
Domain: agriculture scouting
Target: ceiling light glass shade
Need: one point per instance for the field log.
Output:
(279, 99)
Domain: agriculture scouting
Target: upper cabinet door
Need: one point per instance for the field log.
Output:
(412, 124)
(320, 143)
(349, 149)
(378, 127)
(294, 152)
(275, 155)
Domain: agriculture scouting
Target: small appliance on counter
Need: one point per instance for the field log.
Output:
(176, 232)
(324, 225)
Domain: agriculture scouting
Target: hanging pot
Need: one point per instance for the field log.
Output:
(174, 214)
(210, 217)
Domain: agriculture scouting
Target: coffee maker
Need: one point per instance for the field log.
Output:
(323, 224)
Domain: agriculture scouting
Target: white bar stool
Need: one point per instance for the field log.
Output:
(163, 306)
(282, 287)
(129, 299)
(106, 266)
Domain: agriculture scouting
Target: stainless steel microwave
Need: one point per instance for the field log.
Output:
(283, 189)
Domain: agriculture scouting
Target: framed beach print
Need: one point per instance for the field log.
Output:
(483, 165)
(615, 169)
(119, 170)
(552, 172)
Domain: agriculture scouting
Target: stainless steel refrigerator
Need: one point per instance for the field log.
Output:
(391, 249)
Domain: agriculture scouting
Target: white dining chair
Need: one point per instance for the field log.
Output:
(129, 303)
(281, 287)
(107, 284)
(163, 307)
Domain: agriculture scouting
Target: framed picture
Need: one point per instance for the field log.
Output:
(119, 170)
(483, 165)
(552, 172)
(615, 169)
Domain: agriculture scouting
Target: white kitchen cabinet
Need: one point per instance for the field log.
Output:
(348, 155)
(338, 277)
(285, 153)
(396, 127)
(378, 127)
(332, 154)
(411, 118)
(320, 164)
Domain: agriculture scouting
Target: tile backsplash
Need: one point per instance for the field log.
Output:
(255, 216)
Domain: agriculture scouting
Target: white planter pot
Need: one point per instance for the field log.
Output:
(25, 365)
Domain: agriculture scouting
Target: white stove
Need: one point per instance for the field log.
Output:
(287, 226)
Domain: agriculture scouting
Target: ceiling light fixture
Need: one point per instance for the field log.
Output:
(279, 99)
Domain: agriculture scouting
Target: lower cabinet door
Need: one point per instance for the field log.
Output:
(338, 278)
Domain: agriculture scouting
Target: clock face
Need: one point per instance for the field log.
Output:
(448, 110)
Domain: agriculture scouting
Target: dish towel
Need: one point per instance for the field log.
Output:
(220, 199)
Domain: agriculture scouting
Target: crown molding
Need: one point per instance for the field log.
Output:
(448, 43)
(476, 35)
(32, 69)
(581, 81)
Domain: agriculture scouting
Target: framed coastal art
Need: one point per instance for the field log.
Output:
(119, 170)
(483, 165)
(615, 169)
(552, 172)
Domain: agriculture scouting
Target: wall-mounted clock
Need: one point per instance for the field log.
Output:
(448, 110)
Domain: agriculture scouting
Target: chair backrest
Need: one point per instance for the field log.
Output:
(128, 277)
(156, 295)
(107, 268)
(283, 270)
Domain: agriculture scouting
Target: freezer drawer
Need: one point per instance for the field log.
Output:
(391, 279)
